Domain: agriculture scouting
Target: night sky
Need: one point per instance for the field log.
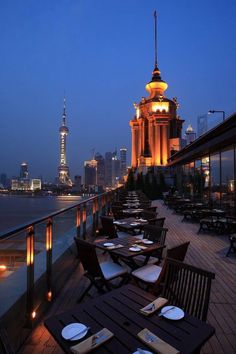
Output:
(101, 52)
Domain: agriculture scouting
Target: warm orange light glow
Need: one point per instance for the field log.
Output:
(33, 314)
(3, 267)
(49, 296)
(78, 217)
(30, 247)
(160, 106)
(84, 213)
(49, 237)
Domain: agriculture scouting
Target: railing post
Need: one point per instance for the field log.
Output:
(30, 275)
(97, 213)
(94, 216)
(84, 218)
(78, 220)
(49, 259)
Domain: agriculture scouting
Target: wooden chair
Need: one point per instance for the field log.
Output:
(100, 275)
(157, 222)
(155, 234)
(5, 345)
(146, 214)
(232, 247)
(152, 276)
(109, 228)
(188, 287)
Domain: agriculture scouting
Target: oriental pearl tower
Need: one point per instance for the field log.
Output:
(63, 169)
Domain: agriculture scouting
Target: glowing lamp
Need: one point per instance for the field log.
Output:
(3, 267)
(33, 315)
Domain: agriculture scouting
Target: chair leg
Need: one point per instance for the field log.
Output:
(85, 292)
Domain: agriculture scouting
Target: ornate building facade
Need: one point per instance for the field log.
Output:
(156, 127)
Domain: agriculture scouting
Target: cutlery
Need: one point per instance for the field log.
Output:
(150, 308)
(163, 313)
(150, 338)
(79, 333)
(140, 351)
(98, 339)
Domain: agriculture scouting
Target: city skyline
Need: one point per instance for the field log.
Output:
(102, 55)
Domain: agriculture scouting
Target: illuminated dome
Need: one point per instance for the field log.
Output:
(156, 86)
(189, 129)
(64, 129)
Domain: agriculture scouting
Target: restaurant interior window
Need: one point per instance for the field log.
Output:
(215, 179)
(198, 180)
(227, 179)
(206, 179)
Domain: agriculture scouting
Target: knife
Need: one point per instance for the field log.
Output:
(163, 313)
(99, 339)
(79, 333)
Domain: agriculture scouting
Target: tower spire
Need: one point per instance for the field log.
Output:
(64, 112)
(155, 32)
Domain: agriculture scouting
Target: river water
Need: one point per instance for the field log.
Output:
(17, 210)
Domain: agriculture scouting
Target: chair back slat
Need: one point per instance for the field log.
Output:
(188, 287)
(157, 222)
(88, 257)
(178, 252)
(108, 226)
(155, 233)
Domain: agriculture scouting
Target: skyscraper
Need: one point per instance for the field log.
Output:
(24, 173)
(156, 127)
(90, 173)
(123, 162)
(100, 169)
(63, 169)
(190, 134)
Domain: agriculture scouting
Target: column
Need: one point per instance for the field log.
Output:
(164, 145)
(157, 145)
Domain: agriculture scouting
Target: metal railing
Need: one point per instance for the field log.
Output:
(84, 214)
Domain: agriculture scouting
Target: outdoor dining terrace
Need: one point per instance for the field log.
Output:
(206, 251)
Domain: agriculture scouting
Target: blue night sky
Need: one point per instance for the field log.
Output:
(101, 52)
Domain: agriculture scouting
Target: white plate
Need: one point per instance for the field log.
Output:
(147, 242)
(71, 330)
(145, 352)
(108, 244)
(175, 314)
(135, 249)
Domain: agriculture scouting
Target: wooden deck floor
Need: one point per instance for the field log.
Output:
(205, 251)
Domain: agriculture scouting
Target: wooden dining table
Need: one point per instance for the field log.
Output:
(125, 254)
(119, 312)
(130, 224)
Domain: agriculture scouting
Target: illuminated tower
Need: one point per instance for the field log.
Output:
(156, 127)
(63, 169)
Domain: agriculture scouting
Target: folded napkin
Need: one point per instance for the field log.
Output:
(114, 247)
(92, 342)
(155, 343)
(153, 306)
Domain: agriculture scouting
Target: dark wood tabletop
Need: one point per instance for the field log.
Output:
(127, 242)
(131, 223)
(118, 311)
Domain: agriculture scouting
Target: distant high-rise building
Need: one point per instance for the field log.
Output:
(190, 134)
(115, 163)
(202, 124)
(3, 179)
(90, 173)
(108, 168)
(100, 169)
(63, 169)
(123, 162)
(24, 173)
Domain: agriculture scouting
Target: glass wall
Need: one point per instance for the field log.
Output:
(227, 179)
(211, 179)
(215, 180)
